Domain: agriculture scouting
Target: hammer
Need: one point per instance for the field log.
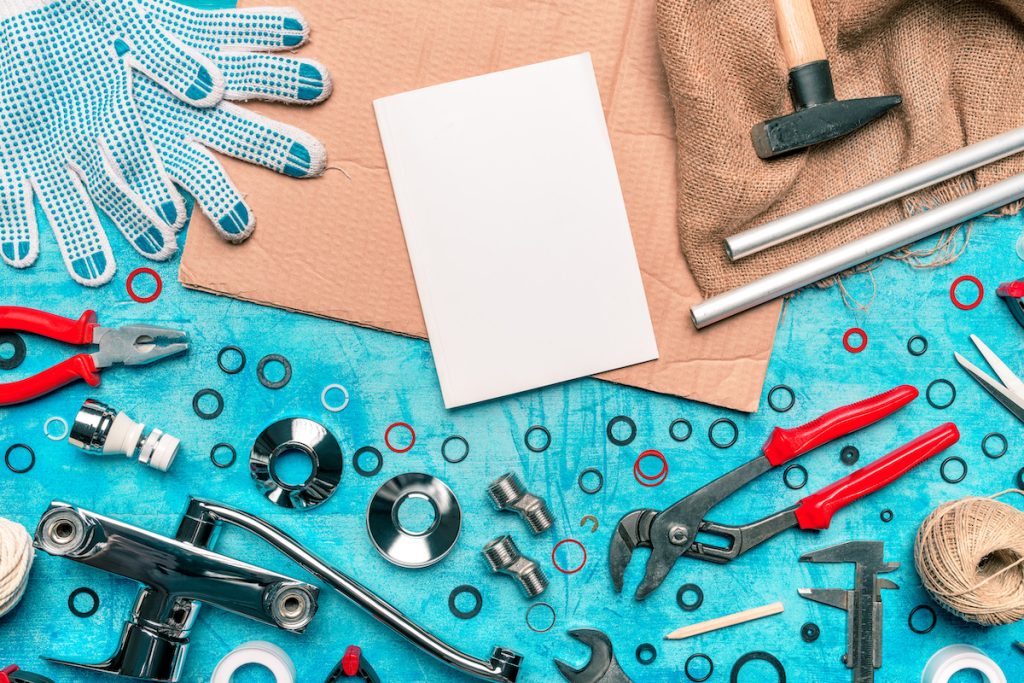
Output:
(818, 115)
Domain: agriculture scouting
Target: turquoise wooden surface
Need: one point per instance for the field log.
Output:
(391, 378)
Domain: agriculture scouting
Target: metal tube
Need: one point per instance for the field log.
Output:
(851, 203)
(849, 255)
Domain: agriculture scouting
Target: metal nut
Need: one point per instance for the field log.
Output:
(504, 557)
(508, 493)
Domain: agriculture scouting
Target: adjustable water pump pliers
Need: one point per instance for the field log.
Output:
(673, 532)
(129, 345)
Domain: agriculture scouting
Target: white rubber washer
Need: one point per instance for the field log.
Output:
(258, 652)
(953, 659)
(328, 406)
(59, 420)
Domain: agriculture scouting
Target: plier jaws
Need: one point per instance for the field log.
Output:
(136, 344)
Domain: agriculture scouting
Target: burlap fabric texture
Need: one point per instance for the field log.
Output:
(959, 66)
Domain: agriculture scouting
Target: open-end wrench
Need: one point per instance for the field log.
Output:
(602, 667)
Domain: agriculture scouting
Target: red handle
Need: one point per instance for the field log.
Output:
(74, 368)
(785, 444)
(816, 510)
(350, 662)
(44, 324)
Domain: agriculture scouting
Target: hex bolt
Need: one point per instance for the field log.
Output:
(505, 558)
(508, 493)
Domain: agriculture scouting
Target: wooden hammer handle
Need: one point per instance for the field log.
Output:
(798, 32)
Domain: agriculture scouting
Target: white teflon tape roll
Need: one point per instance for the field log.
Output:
(953, 659)
(258, 652)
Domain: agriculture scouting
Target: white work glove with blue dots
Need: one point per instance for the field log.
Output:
(72, 134)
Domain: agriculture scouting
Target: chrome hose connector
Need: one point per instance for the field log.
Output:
(504, 557)
(508, 493)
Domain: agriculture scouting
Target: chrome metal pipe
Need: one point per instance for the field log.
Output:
(837, 260)
(886, 190)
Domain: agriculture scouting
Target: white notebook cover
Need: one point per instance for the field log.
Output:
(516, 229)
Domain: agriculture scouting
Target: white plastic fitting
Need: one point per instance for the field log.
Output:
(260, 653)
(953, 659)
(98, 428)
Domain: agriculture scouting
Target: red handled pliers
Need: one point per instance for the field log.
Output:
(673, 532)
(129, 345)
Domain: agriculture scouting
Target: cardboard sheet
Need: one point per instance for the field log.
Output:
(516, 229)
(333, 246)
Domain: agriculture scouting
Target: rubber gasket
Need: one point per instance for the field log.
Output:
(31, 458)
(722, 444)
(559, 545)
(681, 595)
(672, 430)
(990, 454)
(332, 408)
(610, 430)
(199, 411)
(922, 631)
(226, 350)
(223, 464)
(695, 656)
(797, 468)
(942, 469)
(974, 304)
(554, 617)
(910, 345)
(931, 401)
(792, 398)
(469, 590)
(537, 428)
(262, 366)
(648, 481)
(734, 675)
(373, 470)
(444, 449)
(84, 614)
(1020, 478)
(810, 632)
(387, 437)
(850, 347)
(886, 515)
(646, 653)
(59, 420)
(849, 455)
(600, 480)
(129, 285)
(20, 351)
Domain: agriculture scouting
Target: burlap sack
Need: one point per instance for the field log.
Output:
(959, 66)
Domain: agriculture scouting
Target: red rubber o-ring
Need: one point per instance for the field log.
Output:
(387, 437)
(559, 545)
(647, 480)
(128, 285)
(973, 304)
(846, 340)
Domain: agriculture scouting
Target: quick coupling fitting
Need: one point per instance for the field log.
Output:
(98, 428)
(508, 493)
(505, 558)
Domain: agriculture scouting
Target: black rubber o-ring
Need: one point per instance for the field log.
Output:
(810, 632)
(1020, 478)
(922, 631)
(220, 360)
(931, 401)
(910, 345)
(646, 654)
(262, 365)
(695, 656)
(849, 455)
(600, 480)
(373, 470)
(31, 458)
(886, 515)
(672, 430)
(798, 468)
(610, 430)
(720, 444)
(543, 430)
(444, 449)
(681, 594)
(788, 406)
(83, 614)
(734, 676)
(471, 590)
(199, 411)
(987, 452)
(942, 469)
(223, 464)
(18, 357)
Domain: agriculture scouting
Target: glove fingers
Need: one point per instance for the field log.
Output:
(256, 28)
(187, 74)
(249, 76)
(204, 178)
(76, 225)
(19, 235)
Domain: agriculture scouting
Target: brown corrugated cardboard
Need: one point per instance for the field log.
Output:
(334, 247)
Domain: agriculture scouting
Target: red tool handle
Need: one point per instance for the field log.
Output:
(816, 510)
(74, 368)
(67, 330)
(785, 444)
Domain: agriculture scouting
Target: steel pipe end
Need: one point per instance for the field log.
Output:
(62, 531)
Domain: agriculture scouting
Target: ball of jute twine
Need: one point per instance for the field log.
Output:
(970, 556)
(15, 562)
